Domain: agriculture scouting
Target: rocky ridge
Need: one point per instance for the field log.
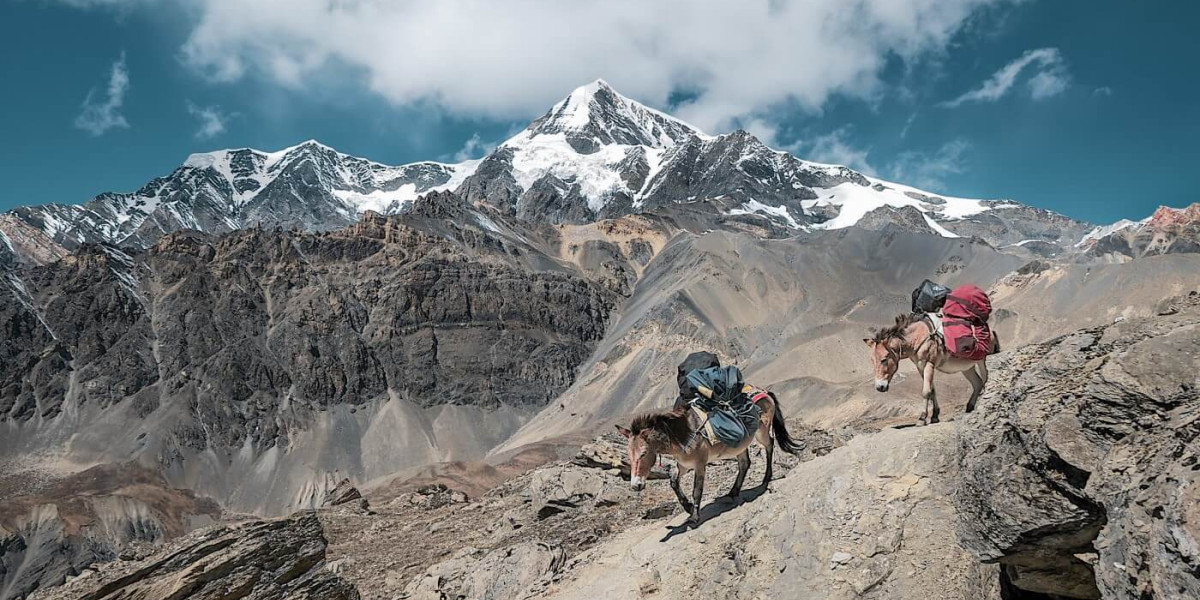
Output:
(1167, 231)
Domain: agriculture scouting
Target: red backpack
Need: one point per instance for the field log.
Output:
(964, 321)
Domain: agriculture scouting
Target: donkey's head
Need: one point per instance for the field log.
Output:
(887, 349)
(650, 435)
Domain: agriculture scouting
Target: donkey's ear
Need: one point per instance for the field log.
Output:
(625, 432)
(870, 342)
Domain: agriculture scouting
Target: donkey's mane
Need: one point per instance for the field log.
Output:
(671, 423)
(896, 331)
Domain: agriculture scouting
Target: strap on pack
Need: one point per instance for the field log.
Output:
(707, 427)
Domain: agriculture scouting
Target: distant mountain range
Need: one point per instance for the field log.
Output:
(594, 155)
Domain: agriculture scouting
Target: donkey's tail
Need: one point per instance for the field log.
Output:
(779, 427)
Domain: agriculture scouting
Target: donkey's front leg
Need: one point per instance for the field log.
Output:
(697, 492)
(929, 392)
(676, 475)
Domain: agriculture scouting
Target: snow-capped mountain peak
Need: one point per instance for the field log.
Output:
(595, 115)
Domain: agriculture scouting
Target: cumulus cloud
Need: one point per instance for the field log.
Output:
(212, 120)
(474, 147)
(1051, 78)
(836, 148)
(513, 59)
(102, 114)
(930, 171)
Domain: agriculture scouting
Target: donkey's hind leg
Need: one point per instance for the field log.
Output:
(768, 443)
(676, 475)
(697, 492)
(977, 375)
(743, 467)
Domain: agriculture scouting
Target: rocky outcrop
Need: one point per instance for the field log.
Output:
(257, 560)
(1080, 470)
(343, 493)
(54, 529)
(886, 218)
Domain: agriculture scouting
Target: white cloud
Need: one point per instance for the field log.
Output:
(907, 125)
(512, 59)
(99, 116)
(212, 120)
(1047, 84)
(1051, 78)
(835, 148)
(929, 171)
(1102, 91)
(472, 148)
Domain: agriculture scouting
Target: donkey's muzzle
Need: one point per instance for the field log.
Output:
(637, 483)
(881, 386)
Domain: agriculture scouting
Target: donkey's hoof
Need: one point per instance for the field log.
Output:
(934, 420)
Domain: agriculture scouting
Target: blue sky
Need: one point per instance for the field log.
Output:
(1087, 108)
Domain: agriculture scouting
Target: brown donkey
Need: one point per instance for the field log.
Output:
(677, 433)
(912, 337)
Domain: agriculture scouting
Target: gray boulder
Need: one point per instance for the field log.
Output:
(256, 560)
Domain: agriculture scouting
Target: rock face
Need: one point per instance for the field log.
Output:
(1080, 472)
(258, 560)
(411, 338)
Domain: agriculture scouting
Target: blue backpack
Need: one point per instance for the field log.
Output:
(731, 415)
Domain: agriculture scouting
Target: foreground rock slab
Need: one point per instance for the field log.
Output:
(256, 560)
(872, 519)
(1081, 472)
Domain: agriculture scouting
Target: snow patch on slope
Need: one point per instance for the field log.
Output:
(596, 173)
(855, 201)
(1107, 230)
(754, 206)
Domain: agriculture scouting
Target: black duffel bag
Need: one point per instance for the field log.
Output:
(929, 297)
